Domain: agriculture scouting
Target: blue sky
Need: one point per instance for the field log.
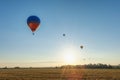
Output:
(95, 24)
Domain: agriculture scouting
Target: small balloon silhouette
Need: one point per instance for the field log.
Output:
(63, 34)
(81, 47)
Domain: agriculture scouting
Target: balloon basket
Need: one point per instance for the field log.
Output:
(33, 33)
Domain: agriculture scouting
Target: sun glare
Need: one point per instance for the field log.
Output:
(70, 56)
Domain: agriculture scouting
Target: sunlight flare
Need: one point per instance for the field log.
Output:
(69, 58)
(70, 55)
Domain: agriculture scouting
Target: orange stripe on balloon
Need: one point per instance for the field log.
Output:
(33, 26)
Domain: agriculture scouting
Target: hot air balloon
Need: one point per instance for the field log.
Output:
(33, 22)
(63, 34)
(81, 47)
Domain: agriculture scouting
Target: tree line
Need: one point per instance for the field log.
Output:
(85, 66)
(93, 66)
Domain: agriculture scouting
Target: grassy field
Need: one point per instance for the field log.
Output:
(59, 74)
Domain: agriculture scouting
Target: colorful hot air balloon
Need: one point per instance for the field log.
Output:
(33, 23)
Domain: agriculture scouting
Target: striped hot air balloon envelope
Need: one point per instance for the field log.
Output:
(33, 22)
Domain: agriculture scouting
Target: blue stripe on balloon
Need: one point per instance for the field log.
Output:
(33, 19)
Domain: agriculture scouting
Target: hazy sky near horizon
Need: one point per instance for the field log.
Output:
(95, 24)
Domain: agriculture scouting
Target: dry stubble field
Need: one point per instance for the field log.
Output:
(59, 74)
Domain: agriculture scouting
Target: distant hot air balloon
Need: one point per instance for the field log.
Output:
(63, 34)
(33, 23)
(81, 47)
